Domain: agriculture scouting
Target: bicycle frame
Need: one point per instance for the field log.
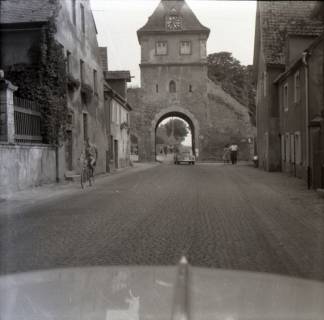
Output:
(86, 173)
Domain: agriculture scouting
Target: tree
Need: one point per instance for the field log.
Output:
(235, 79)
(177, 128)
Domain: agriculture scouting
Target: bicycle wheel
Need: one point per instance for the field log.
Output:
(83, 178)
(91, 176)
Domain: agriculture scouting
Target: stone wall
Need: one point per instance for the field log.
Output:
(229, 122)
(218, 119)
(26, 166)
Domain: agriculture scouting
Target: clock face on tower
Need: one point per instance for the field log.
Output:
(173, 22)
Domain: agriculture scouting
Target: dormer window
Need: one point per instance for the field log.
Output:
(297, 87)
(185, 47)
(161, 48)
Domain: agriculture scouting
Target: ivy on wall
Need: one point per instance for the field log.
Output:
(44, 81)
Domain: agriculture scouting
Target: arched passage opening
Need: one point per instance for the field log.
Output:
(167, 127)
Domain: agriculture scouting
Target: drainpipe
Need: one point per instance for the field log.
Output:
(305, 56)
(57, 163)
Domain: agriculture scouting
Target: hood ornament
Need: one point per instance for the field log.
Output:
(181, 292)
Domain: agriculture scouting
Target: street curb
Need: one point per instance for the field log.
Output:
(65, 186)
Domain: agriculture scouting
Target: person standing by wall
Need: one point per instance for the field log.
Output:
(233, 152)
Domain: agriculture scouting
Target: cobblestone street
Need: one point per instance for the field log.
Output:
(222, 216)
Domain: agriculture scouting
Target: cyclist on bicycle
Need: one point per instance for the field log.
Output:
(91, 155)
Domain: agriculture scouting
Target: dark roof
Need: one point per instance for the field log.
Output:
(23, 11)
(156, 22)
(318, 12)
(116, 96)
(279, 19)
(299, 60)
(118, 75)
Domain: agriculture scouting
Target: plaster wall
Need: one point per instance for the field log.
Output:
(293, 119)
(198, 48)
(84, 46)
(119, 116)
(268, 139)
(26, 166)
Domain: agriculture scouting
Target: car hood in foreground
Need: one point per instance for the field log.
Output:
(133, 293)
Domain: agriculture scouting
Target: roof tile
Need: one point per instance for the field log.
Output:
(280, 19)
(22, 11)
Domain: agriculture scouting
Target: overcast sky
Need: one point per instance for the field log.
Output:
(231, 24)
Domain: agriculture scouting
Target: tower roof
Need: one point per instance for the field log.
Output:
(157, 21)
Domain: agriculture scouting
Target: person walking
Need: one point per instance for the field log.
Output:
(233, 152)
(226, 154)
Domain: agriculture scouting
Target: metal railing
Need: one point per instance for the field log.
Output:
(28, 120)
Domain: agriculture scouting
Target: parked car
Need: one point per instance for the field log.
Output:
(184, 157)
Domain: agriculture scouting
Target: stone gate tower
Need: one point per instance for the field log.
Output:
(174, 78)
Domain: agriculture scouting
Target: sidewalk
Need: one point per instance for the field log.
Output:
(51, 191)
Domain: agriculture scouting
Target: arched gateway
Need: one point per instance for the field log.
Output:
(174, 82)
(180, 113)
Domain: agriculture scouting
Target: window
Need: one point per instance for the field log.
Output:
(69, 119)
(285, 97)
(264, 83)
(85, 126)
(292, 148)
(287, 147)
(297, 87)
(114, 112)
(190, 88)
(82, 18)
(95, 82)
(68, 61)
(172, 86)
(156, 88)
(161, 48)
(81, 71)
(283, 147)
(298, 152)
(111, 147)
(185, 47)
(74, 11)
(119, 115)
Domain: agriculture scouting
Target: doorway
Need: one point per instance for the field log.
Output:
(69, 151)
(116, 154)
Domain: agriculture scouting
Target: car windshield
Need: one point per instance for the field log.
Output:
(135, 133)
